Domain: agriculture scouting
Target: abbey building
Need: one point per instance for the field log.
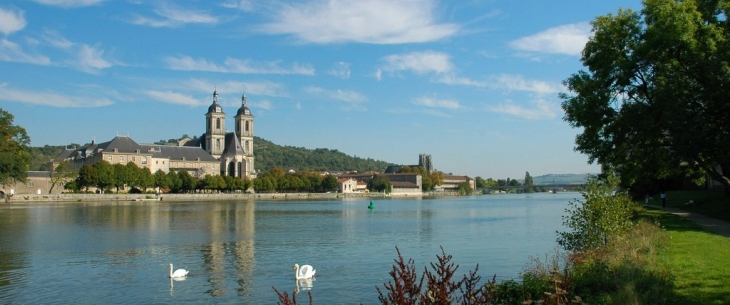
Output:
(215, 152)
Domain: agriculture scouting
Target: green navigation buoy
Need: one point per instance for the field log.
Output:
(371, 206)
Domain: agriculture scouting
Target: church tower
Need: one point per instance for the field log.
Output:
(244, 133)
(215, 130)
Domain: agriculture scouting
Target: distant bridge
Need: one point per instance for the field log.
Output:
(544, 186)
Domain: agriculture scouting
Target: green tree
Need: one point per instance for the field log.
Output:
(162, 180)
(653, 101)
(529, 183)
(465, 188)
(602, 213)
(104, 175)
(60, 175)
(86, 178)
(176, 184)
(329, 183)
(379, 183)
(15, 152)
(188, 183)
(145, 178)
(122, 176)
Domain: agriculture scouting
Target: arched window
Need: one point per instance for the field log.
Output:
(217, 144)
(218, 123)
(238, 126)
(247, 126)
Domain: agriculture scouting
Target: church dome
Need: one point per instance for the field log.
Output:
(244, 109)
(215, 107)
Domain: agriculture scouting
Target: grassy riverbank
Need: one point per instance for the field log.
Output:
(697, 260)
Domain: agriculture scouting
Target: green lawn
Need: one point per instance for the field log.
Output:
(699, 261)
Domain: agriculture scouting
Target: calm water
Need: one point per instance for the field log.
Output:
(119, 253)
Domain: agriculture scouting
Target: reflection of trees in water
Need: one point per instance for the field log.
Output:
(229, 221)
(13, 261)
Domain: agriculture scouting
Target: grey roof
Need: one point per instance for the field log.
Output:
(233, 145)
(65, 155)
(39, 174)
(179, 152)
(121, 144)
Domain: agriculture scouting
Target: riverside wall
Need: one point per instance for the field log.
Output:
(30, 198)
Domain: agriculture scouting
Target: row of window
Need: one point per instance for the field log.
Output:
(193, 165)
(110, 158)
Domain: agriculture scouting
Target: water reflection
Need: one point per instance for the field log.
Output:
(303, 284)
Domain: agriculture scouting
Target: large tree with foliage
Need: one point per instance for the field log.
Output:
(15, 151)
(654, 99)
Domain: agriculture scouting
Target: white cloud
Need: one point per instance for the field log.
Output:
(264, 104)
(541, 109)
(519, 83)
(57, 40)
(435, 103)
(234, 65)
(237, 88)
(379, 74)
(244, 5)
(352, 100)
(90, 60)
(69, 3)
(340, 70)
(566, 39)
(375, 21)
(36, 97)
(419, 62)
(173, 16)
(11, 20)
(503, 82)
(174, 98)
(10, 51)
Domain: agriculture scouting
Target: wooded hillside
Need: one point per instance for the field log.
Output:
(268, 155)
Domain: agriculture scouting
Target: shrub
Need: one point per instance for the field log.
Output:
(603, 213)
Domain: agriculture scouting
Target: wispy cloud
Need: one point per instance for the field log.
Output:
(10, 51)
(352, 100)
(566, 39)
(234, 65)
(233, 87)
(11, 20)
(437, 103)
(69, 3)
(36, 97)
(503, 82)
(418, 62)
(340, 70)
(540, 109)
(375, 22)
(90, 59)
(264, 104)
(244, 5)
(172, 16)
(174, 98)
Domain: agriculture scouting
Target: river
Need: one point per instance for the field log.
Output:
(236, 251)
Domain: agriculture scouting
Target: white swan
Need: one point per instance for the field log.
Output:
(306, 272)
(178, 273)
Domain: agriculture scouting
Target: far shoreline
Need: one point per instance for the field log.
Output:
(142, 198)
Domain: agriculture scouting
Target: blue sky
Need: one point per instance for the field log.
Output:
(472, 83)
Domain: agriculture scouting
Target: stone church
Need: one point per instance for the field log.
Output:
(215, 152)
(233, 149)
